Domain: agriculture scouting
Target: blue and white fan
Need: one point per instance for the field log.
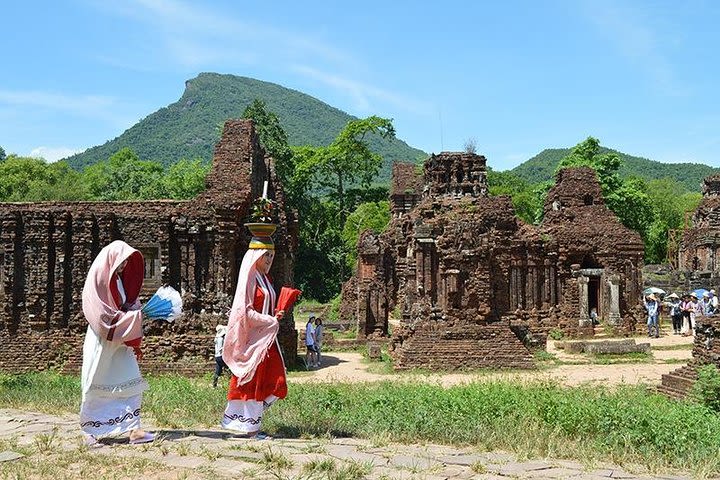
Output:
(166, 305)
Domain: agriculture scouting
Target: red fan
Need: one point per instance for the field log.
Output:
(287, 298)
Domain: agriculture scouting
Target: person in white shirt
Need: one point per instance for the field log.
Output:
(713, 301)
(220, 332)
(311, 354)
(318, 340)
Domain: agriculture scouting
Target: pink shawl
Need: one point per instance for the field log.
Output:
(100, 297)
(250, 333)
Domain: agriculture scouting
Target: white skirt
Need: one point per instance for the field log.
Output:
(112, 388)
(245, 416)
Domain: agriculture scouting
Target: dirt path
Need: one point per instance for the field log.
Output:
(350, 367)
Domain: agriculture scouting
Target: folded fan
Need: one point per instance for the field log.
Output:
(287, 298)
(166, 305)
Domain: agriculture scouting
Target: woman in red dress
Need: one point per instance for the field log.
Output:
(251, 350)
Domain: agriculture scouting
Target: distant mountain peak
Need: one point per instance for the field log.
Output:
(542, 168)
(188, 128)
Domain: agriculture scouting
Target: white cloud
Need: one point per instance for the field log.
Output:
(199, 36)
(83, 104)
(362, 93)
(98, 107)
(53, 154)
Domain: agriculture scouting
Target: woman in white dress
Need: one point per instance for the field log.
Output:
(112, 386)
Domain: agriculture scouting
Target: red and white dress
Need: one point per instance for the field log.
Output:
(248, 400)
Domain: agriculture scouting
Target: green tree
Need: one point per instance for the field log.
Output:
(25, 179)
(373, 216)
(346, 162)
(16, 176)
(629, 199)
(327, 183)
(526, 199)
(321, 259)
(273, 138)
(672, 204)
(632, 204)
(185, 179)
(125, 177)
(62, 183)
(589, 154)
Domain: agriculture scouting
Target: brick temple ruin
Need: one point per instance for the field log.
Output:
(477, 287)
(698, 267)
(706, 351)
(700, 245)
(195, 246)
(697, 260)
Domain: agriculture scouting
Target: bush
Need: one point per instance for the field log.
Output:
(334, 313)
(707, 388)
(556, 334)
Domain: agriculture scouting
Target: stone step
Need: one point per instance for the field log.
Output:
(670, 392)
(678, 384)
(688, 372)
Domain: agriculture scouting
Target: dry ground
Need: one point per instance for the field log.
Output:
(668, 353)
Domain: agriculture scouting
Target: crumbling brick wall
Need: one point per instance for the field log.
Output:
(706, 351)
(196, 246)
(700, 245)
(458, 260)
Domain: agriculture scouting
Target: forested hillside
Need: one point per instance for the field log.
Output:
(190, 127)
(542, 167)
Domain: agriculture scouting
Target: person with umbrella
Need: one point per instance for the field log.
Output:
(713, 301)
(705, 304)
(653, 310)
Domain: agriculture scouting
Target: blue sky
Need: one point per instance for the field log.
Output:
(517, 76)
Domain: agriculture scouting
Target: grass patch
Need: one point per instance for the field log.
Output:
(613, 358)
(682, 346)
(626, 425)
(671, 361)
(52, 462)
(556, 334)
(544, 356)
(345, 334)
(273, 460)
(382, 365)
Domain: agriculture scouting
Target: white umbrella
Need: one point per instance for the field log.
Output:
(655, 290)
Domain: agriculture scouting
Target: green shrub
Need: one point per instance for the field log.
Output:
(556, 334)
(334, 313)
(707, 388)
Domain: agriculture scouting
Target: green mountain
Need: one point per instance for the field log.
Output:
(542, 167)
(190, 127)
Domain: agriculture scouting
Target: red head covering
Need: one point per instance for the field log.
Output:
(101, 301)
(250, 333)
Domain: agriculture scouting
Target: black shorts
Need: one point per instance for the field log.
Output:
(311, 349)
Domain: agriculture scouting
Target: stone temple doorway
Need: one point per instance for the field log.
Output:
(594, 296)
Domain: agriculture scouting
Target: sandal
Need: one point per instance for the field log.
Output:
(147, 438)
(90, 441)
